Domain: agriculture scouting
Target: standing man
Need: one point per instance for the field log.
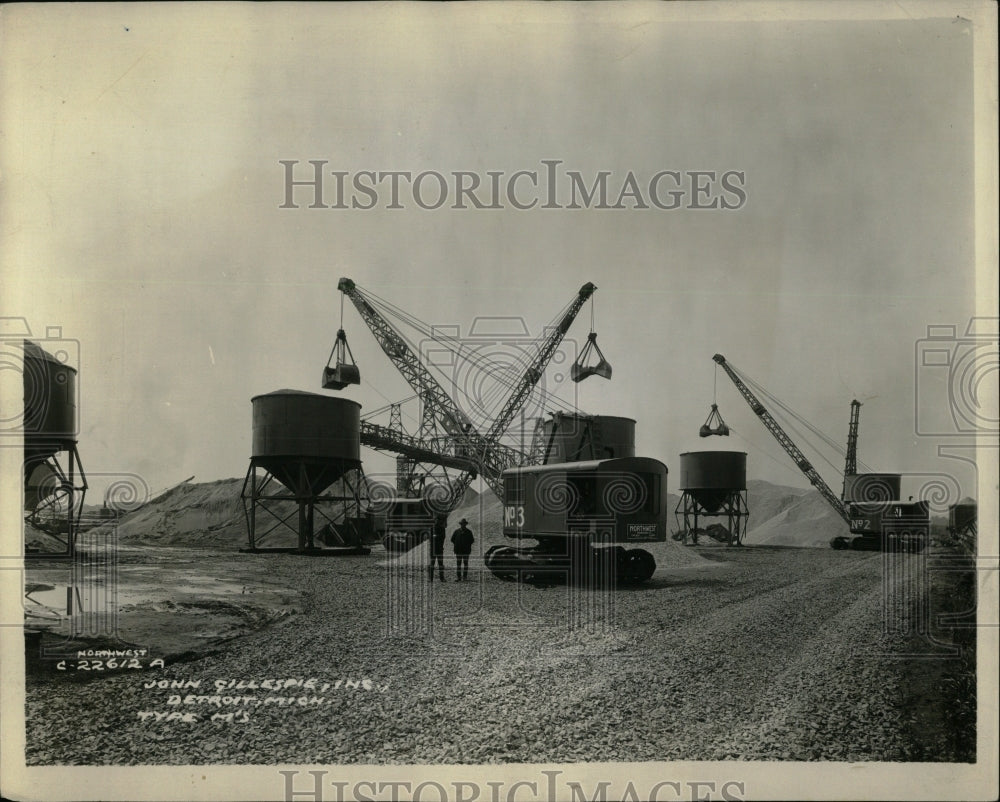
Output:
(437, 546)
(462, 540)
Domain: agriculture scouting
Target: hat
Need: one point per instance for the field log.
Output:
(463, 522)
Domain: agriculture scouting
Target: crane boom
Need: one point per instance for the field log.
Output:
(784, 440)
(497, 458)
(455, 422)
(537, 367)
(489, 455)
(851, 459)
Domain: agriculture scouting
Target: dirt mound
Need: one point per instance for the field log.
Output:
(809, 522)
(767, 503)
(36, 540)
(208, 514)
(671, 554)
(766, 500)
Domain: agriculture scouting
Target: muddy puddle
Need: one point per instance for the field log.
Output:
(175, 603)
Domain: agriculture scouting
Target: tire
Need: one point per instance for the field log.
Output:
(639, 565)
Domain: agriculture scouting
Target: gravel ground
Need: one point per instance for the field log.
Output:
(760, 653)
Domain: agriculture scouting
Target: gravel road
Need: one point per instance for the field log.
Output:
(762, 653)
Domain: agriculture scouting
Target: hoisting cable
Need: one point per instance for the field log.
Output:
(389, 310)
(789, 419)
(385, 408)
(784, 464)
(791, 412)
(545, 396)
(336, 341)
(833, 444)
(456, 346)
(508, 376)
(515, 372)
(791, 415)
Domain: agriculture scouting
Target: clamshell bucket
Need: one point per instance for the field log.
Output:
(714, 425)
(339, 377)
(581, 371)
(340, 369)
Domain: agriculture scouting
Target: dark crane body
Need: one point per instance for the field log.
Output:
(878, 524)
(568, 549)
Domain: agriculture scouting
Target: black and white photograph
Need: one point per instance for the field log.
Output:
(499, 402)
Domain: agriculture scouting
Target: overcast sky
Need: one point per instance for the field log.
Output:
(141, 154)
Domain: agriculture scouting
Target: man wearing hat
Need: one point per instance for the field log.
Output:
(462, 540)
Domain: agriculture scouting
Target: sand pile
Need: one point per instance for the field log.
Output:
(208, 513)
(766, 500)
(810, 522)
(672, 554)
(38, 541)
(211, 514)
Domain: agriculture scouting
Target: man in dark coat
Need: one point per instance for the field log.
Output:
(462, 540)
(437, 547)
